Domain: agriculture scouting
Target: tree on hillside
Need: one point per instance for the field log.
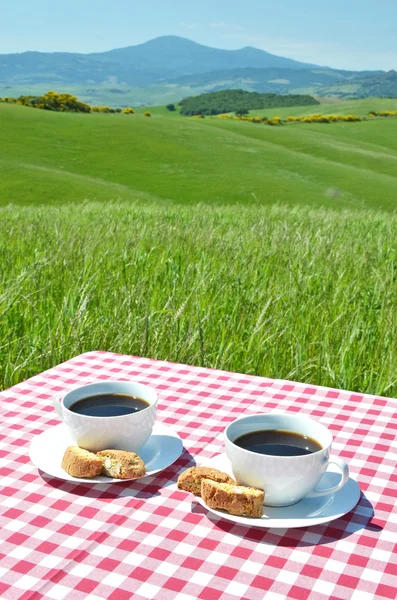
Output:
(241, 112)
(170, 107)
(226, 101)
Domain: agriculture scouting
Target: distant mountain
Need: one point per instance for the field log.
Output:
(170, 68)
(173, 54)
(141, 65)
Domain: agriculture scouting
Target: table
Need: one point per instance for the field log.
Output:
(147, 539)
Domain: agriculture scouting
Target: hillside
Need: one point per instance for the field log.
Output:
(320, 81)
(360, 107)
(359, 86)
(170, 68)
(59, 157)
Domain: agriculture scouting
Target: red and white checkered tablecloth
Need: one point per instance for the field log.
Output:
(146, 539)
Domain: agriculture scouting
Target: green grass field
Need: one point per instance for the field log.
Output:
(55, 158)
(327, 107)
(200, 241)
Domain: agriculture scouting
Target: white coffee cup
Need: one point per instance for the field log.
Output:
(284, 479)
(126, 432)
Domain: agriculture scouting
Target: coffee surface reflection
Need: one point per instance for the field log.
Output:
(108, 405)
(277, 442)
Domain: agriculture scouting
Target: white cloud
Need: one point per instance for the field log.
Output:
(220, 25)
(189, 25)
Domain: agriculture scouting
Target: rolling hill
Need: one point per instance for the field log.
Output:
(361, 85)
(320, 81)
(59, 157)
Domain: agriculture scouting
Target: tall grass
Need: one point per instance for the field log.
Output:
(301, 294)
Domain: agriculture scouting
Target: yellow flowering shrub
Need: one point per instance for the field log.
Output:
(274, 121)
(387, 113)
(316, 118)
(351, 118)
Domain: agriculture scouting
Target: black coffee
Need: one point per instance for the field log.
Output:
(278, 442)
(108, 405)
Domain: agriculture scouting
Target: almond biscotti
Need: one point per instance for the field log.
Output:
(81, 463)
(190, 480)
(121, 464)
(235, 499)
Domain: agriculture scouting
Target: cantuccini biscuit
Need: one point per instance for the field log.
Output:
(81, 463)
(235, 499)
(121, 464)
(190, 480)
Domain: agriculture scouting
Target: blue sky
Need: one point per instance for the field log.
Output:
(349, 34)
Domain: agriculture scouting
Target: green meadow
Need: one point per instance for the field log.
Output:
(226, 244)
(330, 106)
(61, 157)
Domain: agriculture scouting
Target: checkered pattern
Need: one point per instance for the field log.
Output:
(147, 539)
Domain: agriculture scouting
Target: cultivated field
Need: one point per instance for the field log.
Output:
(262, 250)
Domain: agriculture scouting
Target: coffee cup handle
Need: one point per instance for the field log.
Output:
(58, 406)
(345, 476)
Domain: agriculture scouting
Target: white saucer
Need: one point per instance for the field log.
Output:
(307, 512)
(162, 449)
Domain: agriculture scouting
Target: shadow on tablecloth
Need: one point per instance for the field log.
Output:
(358, 519)
(147, 487)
